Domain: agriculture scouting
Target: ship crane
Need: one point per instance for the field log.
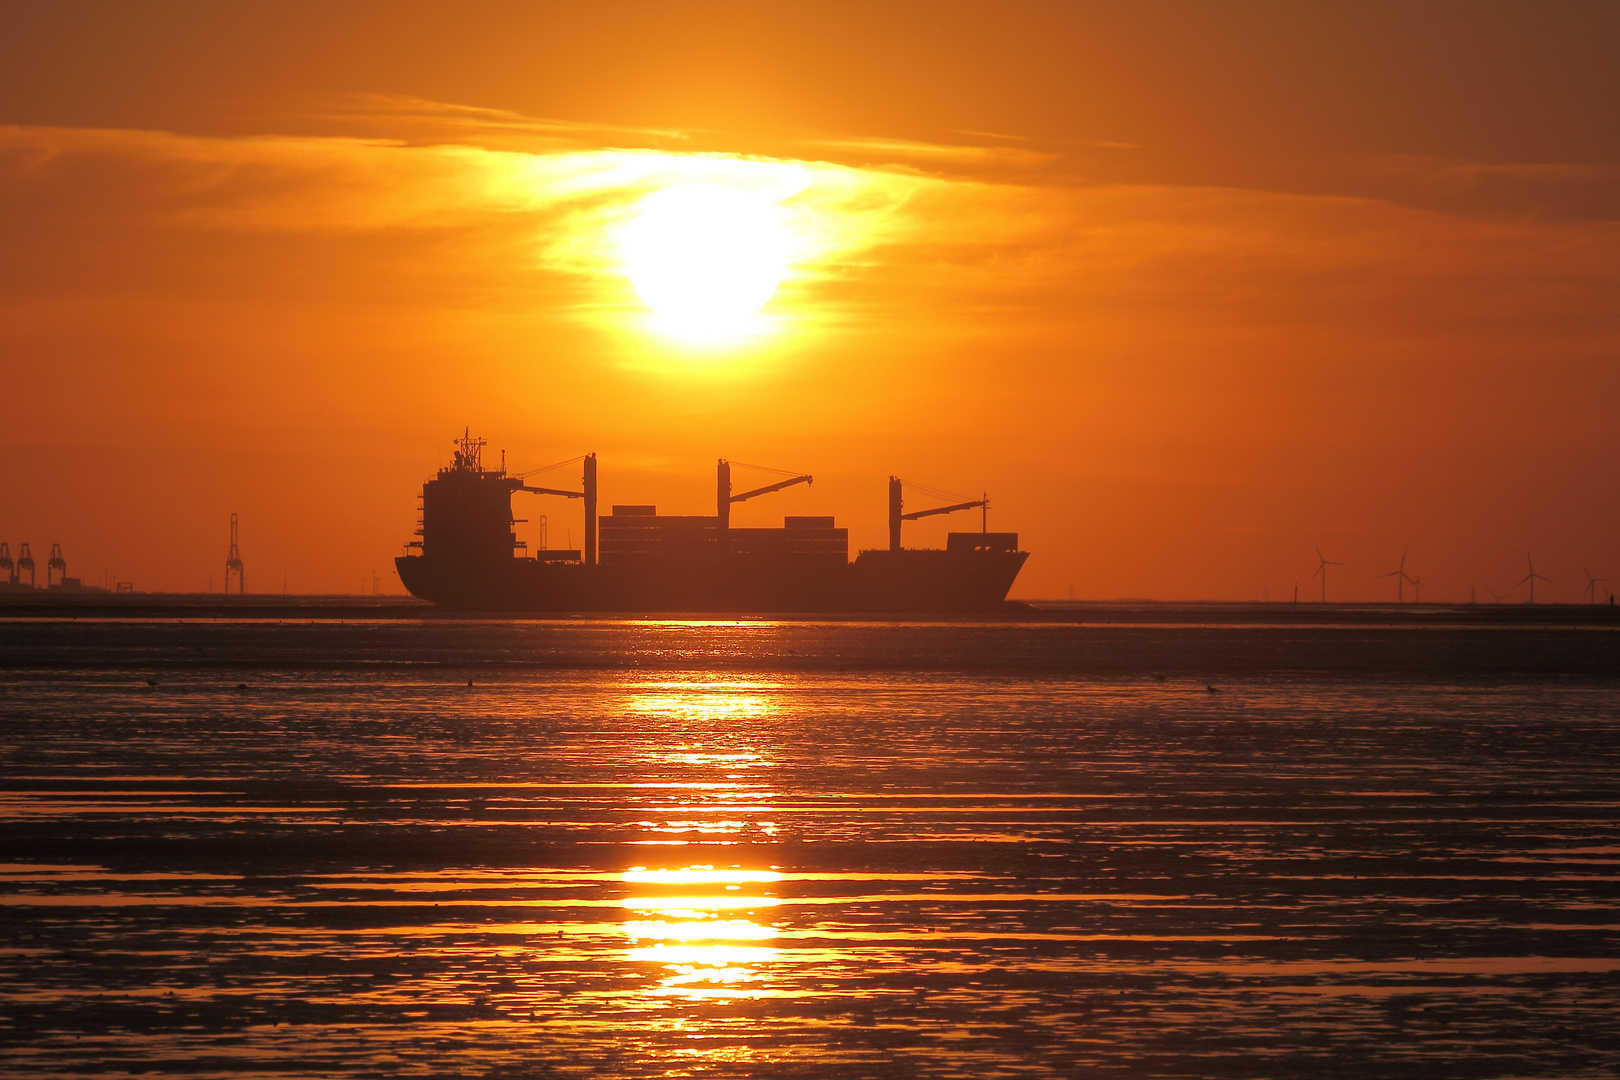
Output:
(723, 498)
(897, 506)
(551, 491)
(587, 492)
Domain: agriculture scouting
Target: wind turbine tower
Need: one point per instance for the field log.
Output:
(1400, 576)
(1592, 584)
(1321, 569)
(1532, 577)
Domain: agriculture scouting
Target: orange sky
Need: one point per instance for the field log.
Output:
(1187, 288)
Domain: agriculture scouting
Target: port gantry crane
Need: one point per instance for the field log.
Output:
(897, 508)
(723, 498)
(233, 564)
(7, 567)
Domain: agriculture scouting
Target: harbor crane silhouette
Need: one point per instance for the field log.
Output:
(233, 564)
(1400, 576)
(1532, 577)
(1322, 564)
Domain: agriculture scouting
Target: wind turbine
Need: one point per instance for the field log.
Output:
(1532, 577)
(1322, 570)
(1399, 574)
(1591, 585)
(1417, 587)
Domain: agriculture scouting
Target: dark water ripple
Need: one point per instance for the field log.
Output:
(696, 851)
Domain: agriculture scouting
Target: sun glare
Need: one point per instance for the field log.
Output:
(705, 256)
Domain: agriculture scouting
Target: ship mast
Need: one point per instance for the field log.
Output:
(469, 452)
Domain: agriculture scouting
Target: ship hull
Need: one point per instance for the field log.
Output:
(877, 581)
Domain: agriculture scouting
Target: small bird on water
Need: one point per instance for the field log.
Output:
(1212, 688)
(151, 682)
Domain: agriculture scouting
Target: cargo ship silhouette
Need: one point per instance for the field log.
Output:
(637, 560)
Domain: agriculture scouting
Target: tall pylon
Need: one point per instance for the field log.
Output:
(233, 564)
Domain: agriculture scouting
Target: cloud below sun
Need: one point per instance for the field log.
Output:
(950, 228)
(563, 209)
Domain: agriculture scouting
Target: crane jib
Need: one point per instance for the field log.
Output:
(953, 508)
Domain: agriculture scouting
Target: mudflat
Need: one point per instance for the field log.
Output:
(1359, 844)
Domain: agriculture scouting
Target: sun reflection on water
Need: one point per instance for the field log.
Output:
(699, 875)
(702, 931)
(700, 953)
(713, 738)
(703, 701)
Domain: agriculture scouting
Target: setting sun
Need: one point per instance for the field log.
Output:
(705, 256)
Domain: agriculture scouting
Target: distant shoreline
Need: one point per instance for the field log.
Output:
(42, 605)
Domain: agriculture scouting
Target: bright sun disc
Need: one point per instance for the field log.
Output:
(705, 256)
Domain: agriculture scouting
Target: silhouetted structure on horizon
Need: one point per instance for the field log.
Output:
(1532, 577)
(636, 559)
(233, 564)
(56, 575)
(1591, 585)
(1323, 562)
(1400, 576)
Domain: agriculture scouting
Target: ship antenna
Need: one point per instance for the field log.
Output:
(471, 455)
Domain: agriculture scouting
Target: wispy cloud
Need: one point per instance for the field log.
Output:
(569, 201)
(880, 238)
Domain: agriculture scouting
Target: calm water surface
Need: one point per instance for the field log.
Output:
(795, 850)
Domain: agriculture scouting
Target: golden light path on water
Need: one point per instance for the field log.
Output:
(702, 949)
(665, 867)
